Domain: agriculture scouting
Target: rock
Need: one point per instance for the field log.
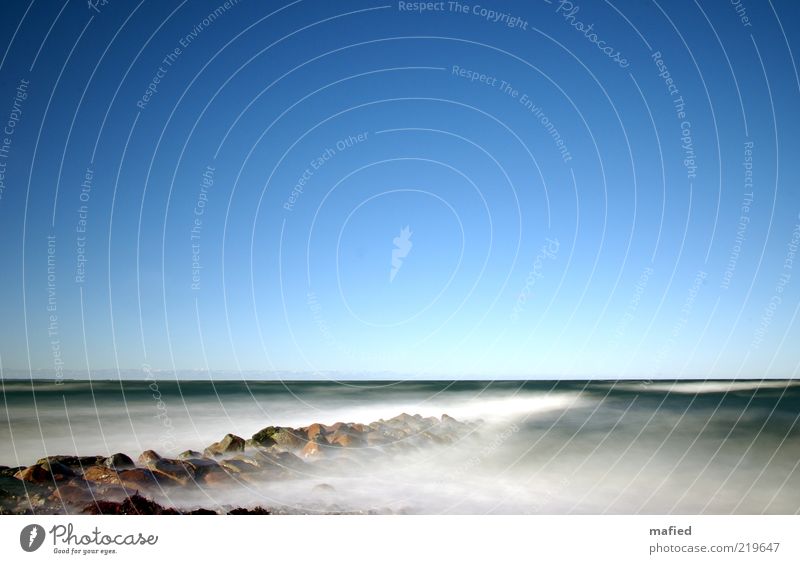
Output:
(148, 457)
(264, 437)
(58, 470)
(133, 505)
(405, 424)
(101, 475)
(258, 510)
(201, 466)
(285, 437)
(447, 420)
(133, 478)
(315, 448)
(430, 422)
(35, 474)
(403, 419)
(144, 478)
(346, 439)
(17, 489)
(9, 472)
(73, 462)
(32, 504)
(229, 443)
(390, 431)
(289, 438)
(312, 431)
(175, 469)
(279, 462)
(341, 428)
(46, 472)
(73, 493)
(78, 492)
(119, 461)
(56, 484)
(240, 465)
(268, 465)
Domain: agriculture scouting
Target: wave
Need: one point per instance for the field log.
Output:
(708, 387)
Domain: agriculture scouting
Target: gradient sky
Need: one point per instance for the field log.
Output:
(604, 254)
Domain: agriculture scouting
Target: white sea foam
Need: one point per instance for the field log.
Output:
(708, 387)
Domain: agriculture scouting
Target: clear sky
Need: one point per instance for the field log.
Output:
(507, 189)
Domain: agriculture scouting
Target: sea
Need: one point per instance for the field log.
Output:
(538, 447)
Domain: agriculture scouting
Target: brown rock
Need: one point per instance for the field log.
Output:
(17, 489)
(73, 493)
(73, 462)
(101, 475)
(280, 461)
(201, 466)
(346, 439)
(446, 419)
(133, 505)
(268, 465)
(143, 478)
(175, 469)
(430, 422)
(289, 438)
(284, 437)
(316, 429)
(200, 511)
(46, 472)
(148, 457)
(239, 465)
(403, 419)
(258, 510)
(262, 438)
(119, 461)
(315, 448)
(229, 443)
(133, 478)
(9, 472)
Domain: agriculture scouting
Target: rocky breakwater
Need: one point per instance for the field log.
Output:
(117, 484)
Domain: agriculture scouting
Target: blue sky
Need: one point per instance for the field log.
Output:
(253, 163)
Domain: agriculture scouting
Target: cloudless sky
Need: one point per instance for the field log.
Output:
(564, 219)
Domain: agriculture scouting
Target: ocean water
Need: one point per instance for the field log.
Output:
(537, 447)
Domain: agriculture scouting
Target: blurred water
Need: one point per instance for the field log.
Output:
(540, 447)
